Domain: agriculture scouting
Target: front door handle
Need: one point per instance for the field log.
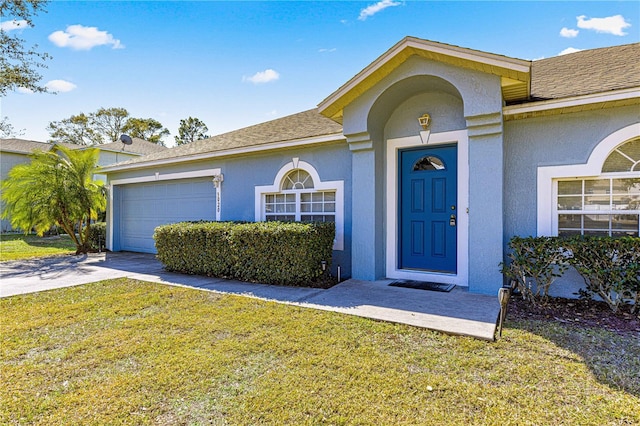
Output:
(452, 220)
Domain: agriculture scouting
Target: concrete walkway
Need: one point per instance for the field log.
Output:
(457, 312)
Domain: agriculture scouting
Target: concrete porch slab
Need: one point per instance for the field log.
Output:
(457, 312)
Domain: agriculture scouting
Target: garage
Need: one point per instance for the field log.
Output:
(144, 206)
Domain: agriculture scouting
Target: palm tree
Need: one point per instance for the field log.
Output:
(56, 188)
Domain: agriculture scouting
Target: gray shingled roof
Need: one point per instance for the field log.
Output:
(22, 146)
(307, 124)
(139, 146)
(581, 73)
(586, 72)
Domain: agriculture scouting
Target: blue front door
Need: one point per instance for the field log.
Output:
(428, 209)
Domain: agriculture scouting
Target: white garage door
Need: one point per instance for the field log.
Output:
(145, 206)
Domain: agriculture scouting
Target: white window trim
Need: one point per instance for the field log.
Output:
(319, 185)
(548, 176)
(461, 139)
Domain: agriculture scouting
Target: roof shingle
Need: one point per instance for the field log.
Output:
(586, 72)
(307, 124)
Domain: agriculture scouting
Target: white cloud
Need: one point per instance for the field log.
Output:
(25, 91)
(569, 50)
(60, 86)
(14, 25)
(263, 77)
(79, 37)
(377, 7)
(327, 50)
(568, 33)
(610, 25)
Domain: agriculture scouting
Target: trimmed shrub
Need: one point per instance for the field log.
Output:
(199, 248)
(266, 252)
(610, 267)
(98, 235)
(534, 264)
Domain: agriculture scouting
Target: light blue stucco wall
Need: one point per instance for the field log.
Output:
(242, 174)
(567, 139)
(550, 141)
(457, 99)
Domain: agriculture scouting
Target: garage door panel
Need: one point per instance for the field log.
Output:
(146, 206)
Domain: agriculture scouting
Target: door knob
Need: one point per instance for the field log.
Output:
(452, 220)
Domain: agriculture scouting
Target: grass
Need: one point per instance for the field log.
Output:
(130, 352)
(20, 246)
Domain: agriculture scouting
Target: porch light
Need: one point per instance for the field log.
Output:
(425, 121)
(217, 179)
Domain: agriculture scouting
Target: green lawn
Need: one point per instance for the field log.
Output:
(130, 352)
(20, 246)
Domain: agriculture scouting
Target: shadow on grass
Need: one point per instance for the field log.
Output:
(612, 357)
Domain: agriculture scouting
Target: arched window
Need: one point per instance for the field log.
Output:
(429, 163)
(298, 194)
(625, 158)
(608, 204)
(297, 179)
(299, 201)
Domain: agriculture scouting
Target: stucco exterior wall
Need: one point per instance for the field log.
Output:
(549, 141)
(243, 173)
(7, 161)
(566, 139)
(458, 99)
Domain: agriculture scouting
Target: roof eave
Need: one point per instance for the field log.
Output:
(614, 98)
(334, 137)
(506, 67)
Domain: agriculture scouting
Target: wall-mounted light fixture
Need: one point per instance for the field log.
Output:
(425, 121)
(217, 179)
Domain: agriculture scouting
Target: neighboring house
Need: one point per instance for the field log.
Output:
(513, 147)
(16, 151)
(12, 153)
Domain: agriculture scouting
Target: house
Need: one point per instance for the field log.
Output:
(16, 151)
(428, 161)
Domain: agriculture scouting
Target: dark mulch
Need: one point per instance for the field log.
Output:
(579, 312)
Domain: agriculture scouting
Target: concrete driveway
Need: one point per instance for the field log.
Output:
(457, 312)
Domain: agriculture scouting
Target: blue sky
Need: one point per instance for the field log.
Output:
(233, 64)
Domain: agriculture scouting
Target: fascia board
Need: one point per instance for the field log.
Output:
(575, 101)
(518, 65)
(336, 137)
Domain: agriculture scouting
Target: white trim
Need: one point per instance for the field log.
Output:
(459, 137)
(335, 137)
(156, 177)
(547, 185)
(319, 185)
(490, 59)
(574, 101)
(167, 176)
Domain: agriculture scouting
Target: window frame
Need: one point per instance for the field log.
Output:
(336, 186)
(609, 177)
(549, 176)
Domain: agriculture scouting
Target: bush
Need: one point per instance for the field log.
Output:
(609, 266)
(534, 264)
(98, 235)
(199, 248)
(265, 252)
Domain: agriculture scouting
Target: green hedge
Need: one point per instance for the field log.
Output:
(610, 267)
(265, 252)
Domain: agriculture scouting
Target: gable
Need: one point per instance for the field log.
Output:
(514, 73)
